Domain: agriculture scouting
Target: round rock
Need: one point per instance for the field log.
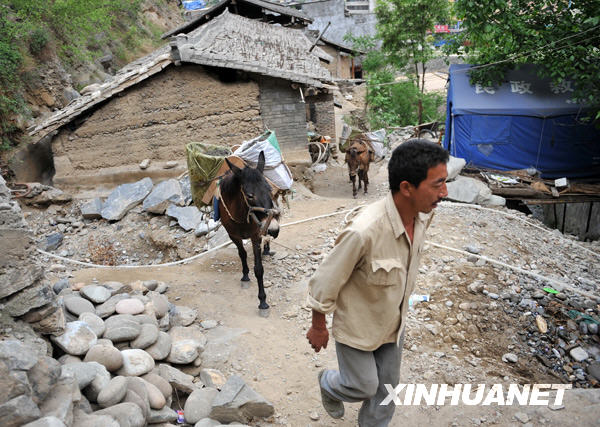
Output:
(121, 328)
(138, 386)
(107, 356)
(126, 414)
(77, 339)
(199, 404)
(113, 393)
(160, 303)
(136, 362)
(155, 397)
(95, 323)
(132, 397)
(160, 383)
(83, 372)
(77, 305)
(96, 294)
(148, 336)
(183, 352)
(182, 316)
(161, 348)
(129, 306)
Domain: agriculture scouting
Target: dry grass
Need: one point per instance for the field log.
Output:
(102, 251)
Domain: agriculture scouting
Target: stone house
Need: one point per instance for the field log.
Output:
(223, 82)
(345, 61)
(346, 16)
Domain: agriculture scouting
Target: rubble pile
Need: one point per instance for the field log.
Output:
(156, 219)
(489, 310)
(106, 354)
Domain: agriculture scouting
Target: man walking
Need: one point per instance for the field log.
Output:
(367, 279)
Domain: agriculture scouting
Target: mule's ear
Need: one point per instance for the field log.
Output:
(261, 162)
(236, 171)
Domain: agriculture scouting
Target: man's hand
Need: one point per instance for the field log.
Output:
(317, 334)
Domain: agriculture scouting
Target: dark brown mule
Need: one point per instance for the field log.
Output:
(358, 157)
(248, 212)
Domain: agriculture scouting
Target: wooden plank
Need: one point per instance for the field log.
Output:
(560, 211)
(549, 215)
(576, 219)
(593, 229)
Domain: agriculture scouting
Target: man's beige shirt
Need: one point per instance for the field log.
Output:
(368, 276)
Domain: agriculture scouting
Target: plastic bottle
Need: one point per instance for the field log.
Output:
(414, 298)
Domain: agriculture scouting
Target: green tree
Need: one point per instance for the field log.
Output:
(404, 26)
(391, 103)
(561, 37)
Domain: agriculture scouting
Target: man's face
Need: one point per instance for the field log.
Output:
(431, 190)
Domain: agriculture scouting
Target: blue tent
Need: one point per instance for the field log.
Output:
(525, 122)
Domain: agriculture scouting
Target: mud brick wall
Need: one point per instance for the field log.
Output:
(156, 118)
(341, 66)
(321, 112)
(282, 110)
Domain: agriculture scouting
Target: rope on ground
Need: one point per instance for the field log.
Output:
(554, 282)
(182, 261)
(168, 264)
(468, 205)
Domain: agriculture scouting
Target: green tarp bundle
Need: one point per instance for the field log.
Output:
(204, 162)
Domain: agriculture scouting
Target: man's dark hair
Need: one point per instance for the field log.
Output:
(411, 160)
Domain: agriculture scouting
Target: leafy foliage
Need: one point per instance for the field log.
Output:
(29, 25)
(403, 26)
(393, 103)
(562, 38)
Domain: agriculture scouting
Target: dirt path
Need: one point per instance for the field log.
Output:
(273, 356)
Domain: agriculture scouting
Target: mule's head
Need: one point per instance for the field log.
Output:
(257, 193)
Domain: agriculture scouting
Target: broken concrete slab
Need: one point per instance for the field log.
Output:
(471, 190)
(454, 166)
(188, 217)
(92, 209)
(162, 195)
(238, 402)
(125, 197)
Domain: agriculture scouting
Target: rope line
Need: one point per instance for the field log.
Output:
(561, 285)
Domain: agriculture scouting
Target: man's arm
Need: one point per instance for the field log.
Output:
(328, 280)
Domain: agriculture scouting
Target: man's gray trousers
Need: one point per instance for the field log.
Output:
(362, 377)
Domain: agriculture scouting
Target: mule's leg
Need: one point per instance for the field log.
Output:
(360, 178)
(267, 249)
(243, 258)
(258, 272)
(366, 179)
(353, 179)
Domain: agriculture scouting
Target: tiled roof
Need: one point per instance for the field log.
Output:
(228, 41)
(200, 16)
(233, 41)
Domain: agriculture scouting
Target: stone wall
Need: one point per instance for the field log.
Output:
(321, 113)
(24, 292)
(333, 11)
(282, 110)
(157, 117)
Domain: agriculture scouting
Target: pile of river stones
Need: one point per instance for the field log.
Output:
(121, 362)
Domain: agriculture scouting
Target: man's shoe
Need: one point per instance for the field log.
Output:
(334, 407)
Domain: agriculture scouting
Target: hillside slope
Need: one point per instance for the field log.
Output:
(49, 66)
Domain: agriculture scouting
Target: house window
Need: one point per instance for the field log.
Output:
(358, 6)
